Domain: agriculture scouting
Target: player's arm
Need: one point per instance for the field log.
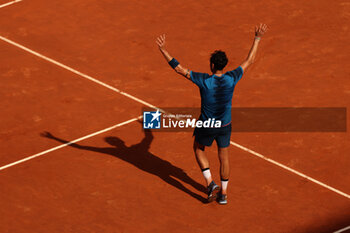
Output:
(259, 32)
(171, 60)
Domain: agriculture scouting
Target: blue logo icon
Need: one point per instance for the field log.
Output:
(151, 120)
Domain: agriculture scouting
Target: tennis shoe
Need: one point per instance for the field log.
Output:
(222, 199)
(213, 189)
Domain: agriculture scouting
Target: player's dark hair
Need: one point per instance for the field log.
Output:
(219, 59)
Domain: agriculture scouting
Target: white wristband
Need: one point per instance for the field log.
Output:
(257, 38)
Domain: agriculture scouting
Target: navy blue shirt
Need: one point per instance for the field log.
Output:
(216, 94)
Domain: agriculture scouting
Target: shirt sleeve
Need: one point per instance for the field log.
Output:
(236, 74)
(198, 78)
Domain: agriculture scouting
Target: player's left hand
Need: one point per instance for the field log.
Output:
(161, 41)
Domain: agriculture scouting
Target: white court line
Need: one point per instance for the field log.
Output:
(290, 169)
(342, 230)
(152, 106)
(69, 143)
(78, 72)
(9, 3)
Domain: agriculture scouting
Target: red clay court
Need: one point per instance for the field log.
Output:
(83, 71)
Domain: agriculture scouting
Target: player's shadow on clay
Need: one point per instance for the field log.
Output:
(140, 156)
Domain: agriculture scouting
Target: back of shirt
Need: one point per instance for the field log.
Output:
(216, 94)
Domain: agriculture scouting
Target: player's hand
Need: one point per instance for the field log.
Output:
(260, 30)
(46, 135)
(161, 41)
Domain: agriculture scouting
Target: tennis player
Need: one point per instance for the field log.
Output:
(216, 92)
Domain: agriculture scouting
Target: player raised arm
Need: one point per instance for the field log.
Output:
(172, 61)
(259, 32)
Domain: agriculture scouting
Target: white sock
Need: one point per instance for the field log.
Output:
(224, 184)
(206, 173)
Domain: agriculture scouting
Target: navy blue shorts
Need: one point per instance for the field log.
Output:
(206, 136)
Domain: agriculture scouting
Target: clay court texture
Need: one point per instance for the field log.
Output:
(83, 71)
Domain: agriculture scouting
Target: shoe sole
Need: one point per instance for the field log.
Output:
(213, 194)
(222, 202)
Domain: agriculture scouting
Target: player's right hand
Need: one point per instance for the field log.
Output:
(260, 30)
